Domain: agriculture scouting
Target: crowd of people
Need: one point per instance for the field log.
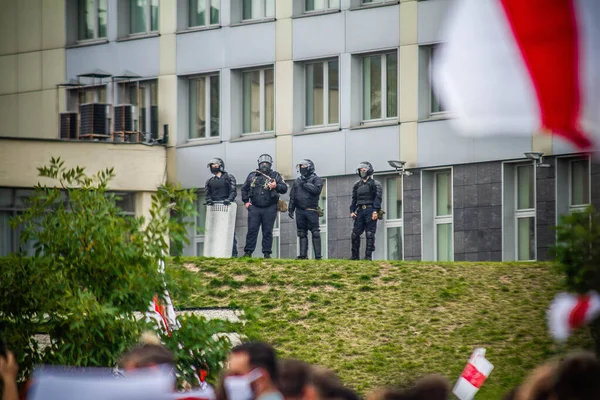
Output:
(254, 372)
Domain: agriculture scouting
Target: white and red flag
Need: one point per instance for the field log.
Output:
(569, 312)
(522, 66)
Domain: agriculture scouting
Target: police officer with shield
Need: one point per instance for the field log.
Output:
(364, 209)
(221, 188)
(304, 201)
(260, 194)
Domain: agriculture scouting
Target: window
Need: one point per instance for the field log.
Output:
(435, 107)
(204, 107)
(579, 184)
(143, 16)
(92, 19)
(275, 246)
(393, 218)
(258, 9)
(320, 5)
(144, 96)
(203, 12)
(258, 101)
(322, 93)
(525, 212)
(200, 224)
(380, 86)
(322, 227)
(369, 2)
(443, 216)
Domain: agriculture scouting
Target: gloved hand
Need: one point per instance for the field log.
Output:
(291, 214)
(210, 203)
(226, 202)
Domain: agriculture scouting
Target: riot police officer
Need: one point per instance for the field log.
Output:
(221, 188)
(260, 194)
(304, 200)
(364, 209)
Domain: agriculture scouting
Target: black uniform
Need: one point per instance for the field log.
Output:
(304, 200)
(263, 209)
(366, 199)
(222, 189)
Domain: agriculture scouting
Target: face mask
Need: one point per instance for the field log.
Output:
(363, 174)
(264, 168)
(215, 170)
(238, 387)
(303, 171)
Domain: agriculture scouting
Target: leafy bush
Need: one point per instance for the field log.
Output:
(577, 255)
(92, 267)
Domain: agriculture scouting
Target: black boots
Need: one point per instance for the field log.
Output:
(370, 247)
(355, 246)
(303, 240)
(316, 241)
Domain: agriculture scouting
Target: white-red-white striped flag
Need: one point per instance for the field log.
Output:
(521, 66)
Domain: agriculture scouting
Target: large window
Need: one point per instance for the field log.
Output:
(320, 5)
(143, 16)
(443, 216)
(579, 184)
(369, 2)
(525, 212)
(322, 227)
(203, 12)
(144, 96)
(92, 19)
(322, 93)
(258, 101)
(204, 107)
(380, 86)
(393, 218)
(257, 9)
(435, 106)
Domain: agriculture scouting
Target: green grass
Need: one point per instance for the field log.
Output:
(388, 323)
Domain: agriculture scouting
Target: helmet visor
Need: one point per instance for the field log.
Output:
(265, 158)
(217, 161)
(364, 165)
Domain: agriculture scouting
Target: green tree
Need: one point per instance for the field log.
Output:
(577, 255)
(92, 267)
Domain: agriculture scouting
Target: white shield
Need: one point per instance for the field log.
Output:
(220, 225)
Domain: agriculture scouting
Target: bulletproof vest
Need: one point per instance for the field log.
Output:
(260, 196)
(220, 188)
(364, 194)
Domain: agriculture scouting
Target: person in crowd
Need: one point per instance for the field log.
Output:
(9, 370)
(149, 353)
(364, 209)
(577, 377)
(253, 373)
(260, 194)
(304, 201)
(221, 188)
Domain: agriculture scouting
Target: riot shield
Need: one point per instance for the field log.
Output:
(220, 225)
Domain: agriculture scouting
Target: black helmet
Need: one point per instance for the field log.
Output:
(265, 158)
(367, 165)
(217, 161)
(310, 166)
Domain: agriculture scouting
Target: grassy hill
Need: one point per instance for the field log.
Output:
(387, 323)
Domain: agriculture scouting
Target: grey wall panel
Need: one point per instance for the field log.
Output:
(191, 164)
(139, 56)
(372, 29)
(201, 51)
(376, 145)
(326, 150)
(318, 36)
(430, 18)
(250, 45)
(439, 144)
(241, 156)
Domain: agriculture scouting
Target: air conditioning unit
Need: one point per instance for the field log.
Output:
(68, 125)
(123, 121)
(93, 119)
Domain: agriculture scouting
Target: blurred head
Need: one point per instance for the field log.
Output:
(538, 384)
(329, 387)
(295, 380)
(252, 371)
(578, 377)
(149, 353)
(432, 387)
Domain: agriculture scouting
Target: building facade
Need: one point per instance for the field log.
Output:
(335, 81)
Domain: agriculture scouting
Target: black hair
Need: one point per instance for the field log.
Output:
(261, 355)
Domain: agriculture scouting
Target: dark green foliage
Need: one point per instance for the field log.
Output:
(92, 268)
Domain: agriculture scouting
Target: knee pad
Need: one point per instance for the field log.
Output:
(355, 236)
(302, 233)
(316, 231)
(370, 235)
